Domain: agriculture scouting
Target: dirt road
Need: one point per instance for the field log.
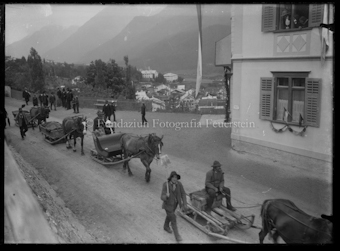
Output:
(100, 204)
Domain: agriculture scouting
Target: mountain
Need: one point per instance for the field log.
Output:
(103, 26)
(43, 40)
(171, 34)
(179, 53)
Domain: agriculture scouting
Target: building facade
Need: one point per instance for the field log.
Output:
(282, 80)
(170, 77)
(149, 74)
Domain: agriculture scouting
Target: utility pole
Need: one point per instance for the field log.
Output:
(227, 76)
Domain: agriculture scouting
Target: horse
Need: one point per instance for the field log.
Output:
(78, 128)
(41, 114)
(292, 224)
(148, 147)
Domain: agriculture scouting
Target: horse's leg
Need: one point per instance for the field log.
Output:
(82, 144)
(147, 163)
(275, 236)
(262, 234)
(74, 143)
(67, 142)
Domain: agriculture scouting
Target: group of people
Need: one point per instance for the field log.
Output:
(173, 194)
(102, 123)
(66, 99)
(43, 99)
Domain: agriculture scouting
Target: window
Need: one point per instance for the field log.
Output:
(284, 17)
(290, 98)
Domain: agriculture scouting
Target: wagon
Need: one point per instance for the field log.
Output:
(108, 149)
(219, 222)
(54, 132)
(28, 116)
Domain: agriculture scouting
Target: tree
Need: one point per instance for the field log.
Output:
(91, 73)
(180, 79)
(160, 78)
(36, 71)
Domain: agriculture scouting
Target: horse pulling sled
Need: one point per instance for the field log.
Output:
(54, 132)
(219, 222)
(108, 150)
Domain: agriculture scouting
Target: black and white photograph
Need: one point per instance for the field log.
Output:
(168, 123)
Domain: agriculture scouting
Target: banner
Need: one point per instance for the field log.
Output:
(199, 61)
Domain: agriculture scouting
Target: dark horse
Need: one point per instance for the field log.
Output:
(40, 114)
(78, 127)
(293, 225)
(151, 146)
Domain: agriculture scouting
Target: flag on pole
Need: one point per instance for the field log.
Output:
(327, 19)
(199, 60)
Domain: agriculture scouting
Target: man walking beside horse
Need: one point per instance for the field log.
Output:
(173, 194)
(22, 122)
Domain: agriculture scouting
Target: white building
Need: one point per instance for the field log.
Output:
(170, 77)
(148, 74)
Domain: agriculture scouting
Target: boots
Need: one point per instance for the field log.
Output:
(229, 206)
(166, 225)
(177, 235)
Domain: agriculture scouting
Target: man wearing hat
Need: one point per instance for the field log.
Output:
(106, 110)
(22, 122)
(98, 122)
(173, 193)
(214, 185)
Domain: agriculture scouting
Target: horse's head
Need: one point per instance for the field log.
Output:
(155, 144)
(81, 125)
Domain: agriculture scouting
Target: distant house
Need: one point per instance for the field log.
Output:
(170, 77)
(211, 105)
(160, 87)
(181, 87)
(149, 74)
(76, 80)
(173, 86)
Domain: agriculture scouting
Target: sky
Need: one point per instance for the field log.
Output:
(22, 20)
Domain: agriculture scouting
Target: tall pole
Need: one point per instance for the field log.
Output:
(227, 76)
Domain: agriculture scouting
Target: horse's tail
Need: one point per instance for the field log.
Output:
(266, 226)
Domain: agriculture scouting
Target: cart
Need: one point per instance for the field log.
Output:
(219, 222)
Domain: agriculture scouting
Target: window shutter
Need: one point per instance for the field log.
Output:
(266, 98)
(312, 102)
(315, 15)
(268, 17)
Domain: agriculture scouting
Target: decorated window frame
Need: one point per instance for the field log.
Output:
(291, 98)
(288, 17)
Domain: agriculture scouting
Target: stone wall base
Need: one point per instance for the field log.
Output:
(294, 160)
